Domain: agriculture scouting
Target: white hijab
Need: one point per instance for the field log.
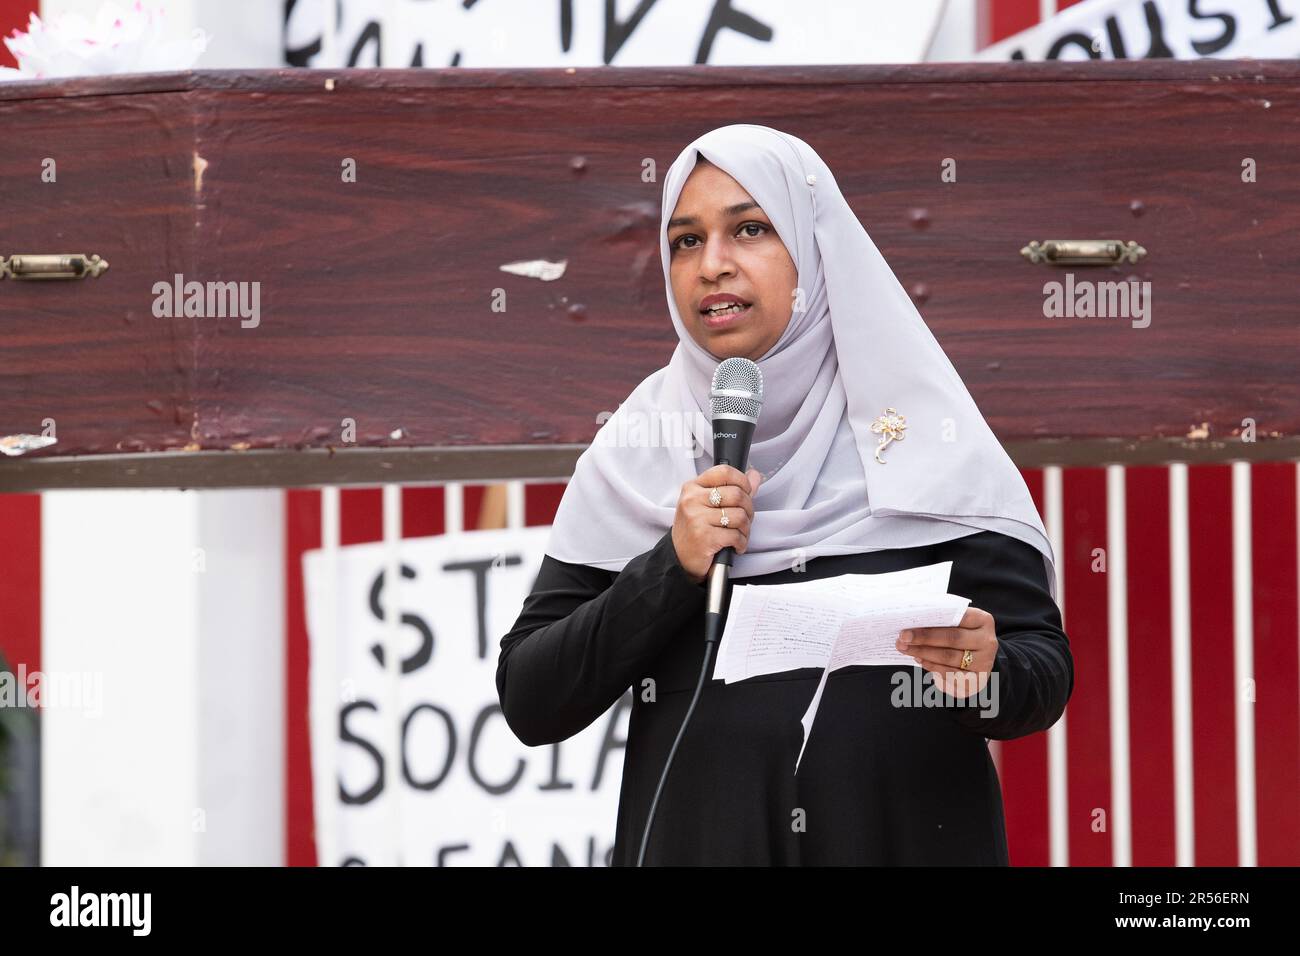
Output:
(857, 347)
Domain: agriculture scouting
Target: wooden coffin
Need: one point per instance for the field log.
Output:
(376, 302)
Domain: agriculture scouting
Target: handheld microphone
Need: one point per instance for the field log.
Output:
(737, 398)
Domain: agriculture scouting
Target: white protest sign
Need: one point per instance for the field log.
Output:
(608, 33)
(1139, 29)
(470, 793)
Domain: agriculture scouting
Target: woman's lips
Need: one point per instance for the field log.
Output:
(726, 319)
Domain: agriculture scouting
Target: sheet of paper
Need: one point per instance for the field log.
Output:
(870, 639)
(930, 577)
(779, 627)
(767, 632)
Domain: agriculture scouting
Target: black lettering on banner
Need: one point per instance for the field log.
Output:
(424, 654)
(446, 851)
(480, 570)
(433, 783)
(1158, 48)
(1279, 18)
(369, 34)
(723, 16)
(616, 31)
(611, 742)
(302, 55)
(1207, 47)
(555, 783)
(509, 856)
(476, 732)
(726, 17)
(346, 736)
(1081, 40)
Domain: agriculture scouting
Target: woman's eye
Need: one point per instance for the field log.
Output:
(678, 243)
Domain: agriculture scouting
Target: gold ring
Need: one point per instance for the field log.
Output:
(715, 497)
(726, 522)
(967, 658)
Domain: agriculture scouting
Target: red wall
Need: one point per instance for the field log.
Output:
(20, 580)
(13, 14)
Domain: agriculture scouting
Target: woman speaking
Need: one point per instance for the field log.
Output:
(764, 259)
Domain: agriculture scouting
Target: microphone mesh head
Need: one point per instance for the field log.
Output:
(737, 390)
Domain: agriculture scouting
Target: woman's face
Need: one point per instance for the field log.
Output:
(723, 248)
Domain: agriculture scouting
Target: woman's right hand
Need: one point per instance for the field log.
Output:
(697, 533)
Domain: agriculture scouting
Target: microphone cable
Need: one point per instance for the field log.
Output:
(713, 628)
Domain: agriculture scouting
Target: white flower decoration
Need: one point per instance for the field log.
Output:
(118, 41)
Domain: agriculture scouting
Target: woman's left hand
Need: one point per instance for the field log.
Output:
(939, 650)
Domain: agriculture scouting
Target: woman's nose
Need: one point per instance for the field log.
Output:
(716, 261)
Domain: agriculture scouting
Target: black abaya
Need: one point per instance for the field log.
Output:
(879, 784)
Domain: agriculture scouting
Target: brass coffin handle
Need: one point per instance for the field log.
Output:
(60, 266)
(1082, 252)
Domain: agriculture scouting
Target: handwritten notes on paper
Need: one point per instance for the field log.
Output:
(831, 623)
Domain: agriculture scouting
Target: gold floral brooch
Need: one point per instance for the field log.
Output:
(889, 427)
